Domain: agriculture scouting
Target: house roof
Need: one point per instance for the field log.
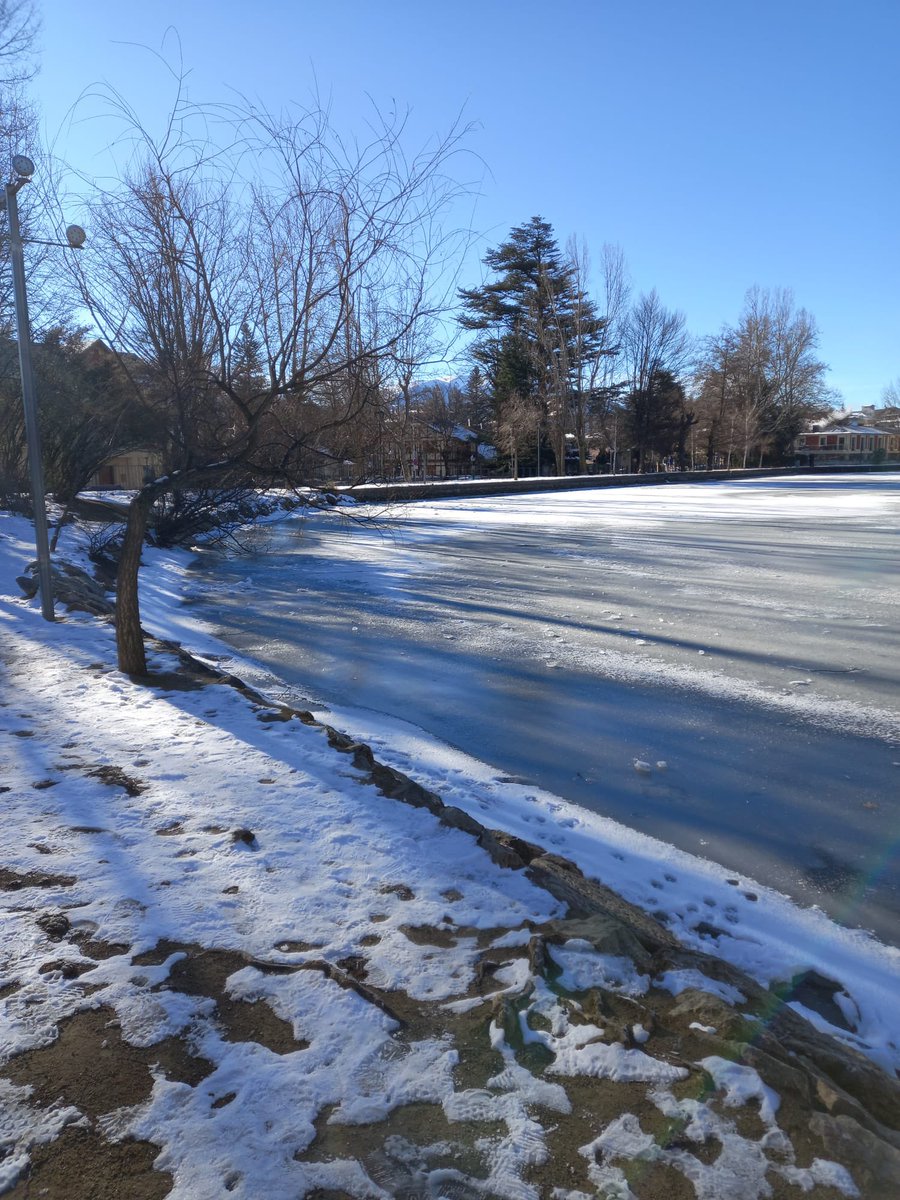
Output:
(864, 429)
(459, 433)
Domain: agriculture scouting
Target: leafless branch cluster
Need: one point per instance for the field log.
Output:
(761, 380)
(256, 274)
(315, 258)
(18, 29)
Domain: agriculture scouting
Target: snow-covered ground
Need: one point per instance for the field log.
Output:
(155, 812)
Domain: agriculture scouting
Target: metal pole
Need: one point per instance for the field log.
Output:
(32, 432)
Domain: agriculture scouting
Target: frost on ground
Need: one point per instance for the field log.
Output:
(232, 965)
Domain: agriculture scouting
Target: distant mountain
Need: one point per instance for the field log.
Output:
(444, 382)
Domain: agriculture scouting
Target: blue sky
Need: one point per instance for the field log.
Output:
(721, 144)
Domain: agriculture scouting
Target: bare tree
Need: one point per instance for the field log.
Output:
(596, 346)
(613, 303)
(890, 396)
(415, 348)
(577, 364)
(801, 391)
(18, 30)
(49, 307)
(759, 382)
(889, 417)
(610, 384)
(715, 383)
(657, 350)
(323, 252)
(519, 420)
(780, 382)
(18, 121)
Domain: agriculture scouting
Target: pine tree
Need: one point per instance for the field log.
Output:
(477, 401)
(536, 328)
(247, 365)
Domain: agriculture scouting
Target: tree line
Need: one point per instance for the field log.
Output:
(314, 363)
(574, 379)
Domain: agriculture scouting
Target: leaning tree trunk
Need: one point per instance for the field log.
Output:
(129, 635)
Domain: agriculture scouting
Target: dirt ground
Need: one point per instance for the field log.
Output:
(835, 1104)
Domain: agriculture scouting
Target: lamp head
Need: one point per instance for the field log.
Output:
(75, 236)
(23, 166)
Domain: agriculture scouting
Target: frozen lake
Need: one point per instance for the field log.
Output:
(713, 664)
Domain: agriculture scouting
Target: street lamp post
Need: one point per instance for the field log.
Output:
(24, 169)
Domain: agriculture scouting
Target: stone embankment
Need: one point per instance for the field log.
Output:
(398, 492)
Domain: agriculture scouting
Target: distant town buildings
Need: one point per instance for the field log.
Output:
(869, 435)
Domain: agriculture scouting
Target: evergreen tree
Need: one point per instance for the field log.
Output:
(247, 364)
(477, 401)
(658, 420)
(536, 328)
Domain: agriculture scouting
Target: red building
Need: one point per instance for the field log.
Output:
(849, 444)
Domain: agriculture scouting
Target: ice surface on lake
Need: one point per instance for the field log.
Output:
(756, 724)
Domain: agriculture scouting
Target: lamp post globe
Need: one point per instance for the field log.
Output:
(23, 166)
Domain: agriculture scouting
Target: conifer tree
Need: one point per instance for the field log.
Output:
(535, 328)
